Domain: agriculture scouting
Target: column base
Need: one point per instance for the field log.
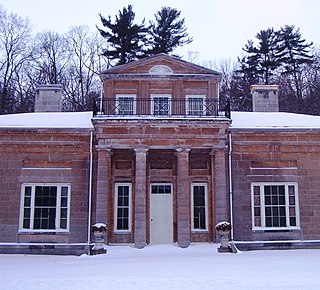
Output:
(140, 245)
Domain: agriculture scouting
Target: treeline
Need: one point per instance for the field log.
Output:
(75, 58)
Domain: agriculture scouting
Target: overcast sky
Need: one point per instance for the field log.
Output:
(220, 28)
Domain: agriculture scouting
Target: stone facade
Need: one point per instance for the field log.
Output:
(157, 133)
(29, 156)
(286, 155)
(143, 151)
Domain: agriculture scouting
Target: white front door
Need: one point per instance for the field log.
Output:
(161, 214)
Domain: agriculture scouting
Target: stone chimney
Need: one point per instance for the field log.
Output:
(265, 98)
(48, 98)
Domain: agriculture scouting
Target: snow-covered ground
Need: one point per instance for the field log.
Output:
(164, 267)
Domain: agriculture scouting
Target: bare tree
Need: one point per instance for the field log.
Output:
(15, 39)
(51, 57)
(82, 81)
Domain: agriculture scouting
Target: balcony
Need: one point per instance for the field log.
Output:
(161, 107)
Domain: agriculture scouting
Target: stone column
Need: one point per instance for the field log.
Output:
(183, 198)
(103, 172)
(221, 191)
(140, 209)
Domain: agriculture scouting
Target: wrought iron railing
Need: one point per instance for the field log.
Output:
(161, 107)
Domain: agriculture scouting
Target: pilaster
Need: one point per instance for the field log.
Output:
(140, 210)
(103, 172)
(183, 197)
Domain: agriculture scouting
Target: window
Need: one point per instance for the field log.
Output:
(195, 105)
(161, 105)
(45, 207)
(275, 205)
(125, 104)
(161, 188)
(123, 207)
(199, 198)
(160, 70)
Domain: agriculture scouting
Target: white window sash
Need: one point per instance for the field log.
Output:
(286, 185)
(155, 97)
(120, 97)
(205, 185)
(32, 207)
(189, 110)
(117, 185)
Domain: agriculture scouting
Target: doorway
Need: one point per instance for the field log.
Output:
(161, 213)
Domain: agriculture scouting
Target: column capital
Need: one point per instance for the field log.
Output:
(138, 150)
(183, 149)
(106, 148)
(218, 149)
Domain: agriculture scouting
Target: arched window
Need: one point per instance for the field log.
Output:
(160, 70)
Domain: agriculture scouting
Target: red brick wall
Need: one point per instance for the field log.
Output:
(265, 156)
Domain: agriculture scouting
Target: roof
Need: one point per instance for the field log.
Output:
(273, 120)
(82, 120)
(133, 67)
(52, 120)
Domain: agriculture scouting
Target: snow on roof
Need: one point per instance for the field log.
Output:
(74, 120)
(240, 120)
(273, 120)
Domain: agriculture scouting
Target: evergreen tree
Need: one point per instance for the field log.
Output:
(125, 39)
(294, 52)
(263, 58)
(168, 31)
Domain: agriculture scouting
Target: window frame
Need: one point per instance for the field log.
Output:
(131, 96)
(32, 207)
(263, 226)
(202, 97)
(155, 96)
(205, 185)
(117, 185)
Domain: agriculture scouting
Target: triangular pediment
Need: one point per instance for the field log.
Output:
(160, 64)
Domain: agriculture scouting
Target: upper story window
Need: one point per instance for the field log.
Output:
(45, 207)
(160, 70)
(125, 104)
(275, 205)
(161, 105)
(195, 105)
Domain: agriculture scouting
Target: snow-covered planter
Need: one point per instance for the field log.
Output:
(99, 231)
(224, 229)
(99, 227)
(223, 226)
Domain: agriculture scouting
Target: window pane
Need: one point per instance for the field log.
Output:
(198, 196)
(160, 189)
(26, 223)
(293, 221)
(64, 213)
(267, 200)
(45, 196)
(64, 191)
(122, 211)
(195, 106)
(199, 207)
(64, 202)
(126, 105)
(161, 106)
(63, 224)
